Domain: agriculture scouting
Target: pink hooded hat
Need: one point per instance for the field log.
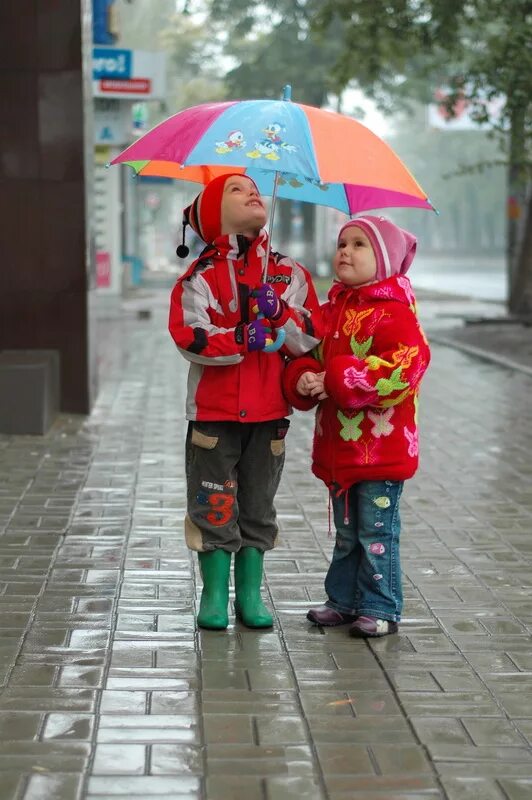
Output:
(394, 247)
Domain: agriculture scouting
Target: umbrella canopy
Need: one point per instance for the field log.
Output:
(302, 152)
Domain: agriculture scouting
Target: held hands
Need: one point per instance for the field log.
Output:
(311, 384)
(268, 304)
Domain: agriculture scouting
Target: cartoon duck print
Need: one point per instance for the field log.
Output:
(272, 132)
(265, 149)
(272, 144)
(234, 141)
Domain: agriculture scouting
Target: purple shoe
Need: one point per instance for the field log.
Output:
(371, 627)
(329, 617)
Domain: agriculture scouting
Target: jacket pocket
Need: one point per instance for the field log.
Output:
(203, 440)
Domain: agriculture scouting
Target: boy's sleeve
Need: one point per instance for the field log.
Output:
(291, 374)
(301, 317)
(192, 330)
(400, 357)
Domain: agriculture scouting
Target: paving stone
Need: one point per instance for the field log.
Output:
(12, 785)
(472, 789)
(259, 760)
(516, 789)
(119, 759)
(385, 787)
(451, 704)
(176, 759)
(20, 726)
(56, 786)
(146, 786)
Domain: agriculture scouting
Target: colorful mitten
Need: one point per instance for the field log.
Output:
(254, 336)
(268, 304)
(275, 309)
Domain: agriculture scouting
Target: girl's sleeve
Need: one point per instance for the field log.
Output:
(400, 357)
(191, 328)
(291, 374)
(301, 317)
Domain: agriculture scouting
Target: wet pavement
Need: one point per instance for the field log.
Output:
(110, 691)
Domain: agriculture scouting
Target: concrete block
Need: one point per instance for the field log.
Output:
(29, 390)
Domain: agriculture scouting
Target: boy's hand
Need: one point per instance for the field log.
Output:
(255, 336)
(267, 303)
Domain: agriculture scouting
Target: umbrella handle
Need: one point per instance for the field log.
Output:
(277, 342)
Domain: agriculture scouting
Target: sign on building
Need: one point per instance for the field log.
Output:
(128, 74)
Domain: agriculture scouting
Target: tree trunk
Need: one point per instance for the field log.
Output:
(520, 302)
(519, 221)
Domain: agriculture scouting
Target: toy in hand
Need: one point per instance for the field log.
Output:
(268, 304)
(270, 307)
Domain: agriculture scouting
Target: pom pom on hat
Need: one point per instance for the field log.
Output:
(394, 247)
(182, 250)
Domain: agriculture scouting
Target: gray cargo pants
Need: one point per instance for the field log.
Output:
(233, 471)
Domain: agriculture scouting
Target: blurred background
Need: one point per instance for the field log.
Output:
(217, 50)
(447, 85)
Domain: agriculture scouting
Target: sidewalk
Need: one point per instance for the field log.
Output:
(480, 328)
(109, 691)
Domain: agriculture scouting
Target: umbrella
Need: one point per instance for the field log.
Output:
(291, 150)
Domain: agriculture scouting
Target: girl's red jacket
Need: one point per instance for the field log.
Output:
(210, 301)
(374, 355)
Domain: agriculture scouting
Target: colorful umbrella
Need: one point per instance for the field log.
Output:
(296, 151)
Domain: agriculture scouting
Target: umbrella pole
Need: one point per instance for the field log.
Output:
(270, 230)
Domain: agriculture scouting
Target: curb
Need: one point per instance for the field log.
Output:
(482, 354)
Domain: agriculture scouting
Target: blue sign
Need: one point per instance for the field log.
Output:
(109, 62)
(100, 22)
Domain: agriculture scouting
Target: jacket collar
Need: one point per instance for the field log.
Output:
(236, 246)
(397, 288)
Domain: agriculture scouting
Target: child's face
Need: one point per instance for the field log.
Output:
(242, 207)
(354, 262)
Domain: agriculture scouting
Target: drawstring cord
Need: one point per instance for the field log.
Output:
(329, 531)
(346, 508)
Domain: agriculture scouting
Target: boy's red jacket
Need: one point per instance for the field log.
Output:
(210, 300)
(374, 355)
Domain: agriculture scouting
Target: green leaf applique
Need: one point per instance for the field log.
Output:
(350, 431)
(360, 349)
(386, 386)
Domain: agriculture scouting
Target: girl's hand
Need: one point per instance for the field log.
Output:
(317, 386)
(312, 384)
(305, 383)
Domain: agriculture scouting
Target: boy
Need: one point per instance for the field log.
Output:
(235, 405)
(366, 378)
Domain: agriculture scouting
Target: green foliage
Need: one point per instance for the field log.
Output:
(195, 55)
(397, 49)
(465, 176)
(273, 44)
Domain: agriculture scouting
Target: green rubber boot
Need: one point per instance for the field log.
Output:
(248, 578)
(214, 567)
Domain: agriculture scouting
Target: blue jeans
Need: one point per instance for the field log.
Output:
(364, 577)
